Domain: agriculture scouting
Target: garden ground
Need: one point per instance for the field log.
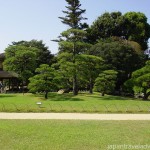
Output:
(84, 103)
(71, 135)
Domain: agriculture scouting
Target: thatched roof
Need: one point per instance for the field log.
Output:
(7, 75)
(2, 56)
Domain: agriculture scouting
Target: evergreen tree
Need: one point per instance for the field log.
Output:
(43, 81)
(73, 16)
(105, 82)
(121, 56)
(72, 40)
(140, 81)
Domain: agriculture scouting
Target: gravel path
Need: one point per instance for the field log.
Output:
(74, 116)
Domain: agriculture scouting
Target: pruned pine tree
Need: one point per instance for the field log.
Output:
(89, 67)
(43, 81)
(140, 81)
(105, 82)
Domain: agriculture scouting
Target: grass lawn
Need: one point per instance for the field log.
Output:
(71, 135)
(83, 102)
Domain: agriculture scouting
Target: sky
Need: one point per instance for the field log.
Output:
(38, 19)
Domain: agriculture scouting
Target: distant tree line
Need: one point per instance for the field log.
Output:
(105, 56)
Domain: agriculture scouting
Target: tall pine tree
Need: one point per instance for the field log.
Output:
(73, 16)
(72, 40)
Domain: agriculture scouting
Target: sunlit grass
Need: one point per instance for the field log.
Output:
(71, 135)
(84, 102)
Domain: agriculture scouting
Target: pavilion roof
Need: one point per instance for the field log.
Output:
(2, 55)
(7, 75)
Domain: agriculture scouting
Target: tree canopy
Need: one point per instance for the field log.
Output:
(43, 55)
(89, 67)
(104, 55)
(130, 26)
(72, 40)
(140, 81)
(105, 82)
(43, 80)
(138, 29)
(119, 56)
(22, 60)
(73, 16)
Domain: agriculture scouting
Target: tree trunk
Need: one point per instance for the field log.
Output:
(103, 93)
(22, 88)
(146, 95)
(75, 86)
(91, 86)
(46, 94)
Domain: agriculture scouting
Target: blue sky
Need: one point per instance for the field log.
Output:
(38, 19)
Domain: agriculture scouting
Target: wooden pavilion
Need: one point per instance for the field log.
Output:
(11, 78)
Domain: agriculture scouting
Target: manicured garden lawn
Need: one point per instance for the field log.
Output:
(71, 135)
(84, 102)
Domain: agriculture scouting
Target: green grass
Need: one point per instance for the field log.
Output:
(84, 102)
(71, 135)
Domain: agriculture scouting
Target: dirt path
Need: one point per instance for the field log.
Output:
(74, 116)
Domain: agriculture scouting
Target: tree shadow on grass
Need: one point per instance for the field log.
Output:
(59, 97)
(63, 97)
(111, 97)
(5, 95)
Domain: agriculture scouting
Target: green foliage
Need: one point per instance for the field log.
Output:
(72, 40)
(131, 26)
(73, 16)
(141, 80)
(105, 82)
(43, 81)
(65, 70)
(89, 67)
(20, 59)
(138, 28)
(86, 68)
(107, 25)
(128, 86)
(120, 56)
(43, 55)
